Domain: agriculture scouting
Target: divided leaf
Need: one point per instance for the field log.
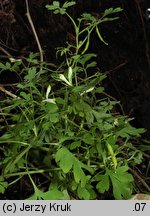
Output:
(88, 138)
(3, 185)
(31, 74)
(67, 161)
(83, 193)
(130, 131)
(104, 183)
(79, 174)
(68, 4)
(88, 16)
(6, 66)
(53, 193)
(111, 11)
(54, 6)
(122, 183)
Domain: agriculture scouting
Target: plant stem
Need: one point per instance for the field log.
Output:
(76, 32)
(30, 172)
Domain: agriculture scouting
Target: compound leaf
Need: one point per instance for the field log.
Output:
(111, 11)
(104, 183)
(122, 182)
(65, 159)
(3, 185)
(68, 4)
(79, 175)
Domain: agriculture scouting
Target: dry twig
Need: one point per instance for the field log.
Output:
(140, 178)
(6, 52)
(8, 93)
(34, 31)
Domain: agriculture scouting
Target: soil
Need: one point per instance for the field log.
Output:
(126, 59)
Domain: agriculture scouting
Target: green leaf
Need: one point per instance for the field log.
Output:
(68, 4)
(89, 117)
(56, 3)
(65, 159)
(6, 66)
(16, 65)
(86, 57)
(38, 195)
(50, 108)
(79, 175)
(32, 58)
(60, 101)
(144, 147)
(80, 89)
(54, 117)
(99, 115)
(31, 74)
(25, 96)
(73, 185)
(88, 138)
(99, 90)
(61, 11)
(12, 163)
(56, 7)
(3, 185)
(104, 183)
(91, 65)
(106, 19)
(75, 145)
(53, 193)
(88, 16)
(83, 193)
(130, 131)
(111, 11)
(53, 6)
(122, 183)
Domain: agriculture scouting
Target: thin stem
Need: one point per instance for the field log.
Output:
(30, 172)
(76, 32)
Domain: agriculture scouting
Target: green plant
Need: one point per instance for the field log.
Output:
(58, 127)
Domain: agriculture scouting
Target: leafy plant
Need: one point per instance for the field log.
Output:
(3, 184)
(121, 181)
(61, 126)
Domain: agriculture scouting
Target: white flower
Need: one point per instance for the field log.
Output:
(70, 72)
(48, 91)
(47, 94)
(88, 90)
(63, 78)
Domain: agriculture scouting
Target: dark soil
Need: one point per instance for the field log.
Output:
(126, 59)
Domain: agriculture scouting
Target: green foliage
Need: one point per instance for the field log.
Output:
(121, 182)
(3, 185)
(53, 193)
(63, 127)
(81, 29)
(57, 9)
